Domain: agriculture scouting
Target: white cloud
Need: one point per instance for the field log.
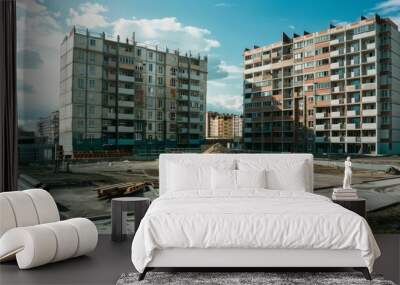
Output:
(89, 15)
(224, 94)
(164, 32)
(40, 33)
(223, 4)
(292, 27)
(390, 8)
(339, 22)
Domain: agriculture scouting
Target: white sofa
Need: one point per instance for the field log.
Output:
(31, 231)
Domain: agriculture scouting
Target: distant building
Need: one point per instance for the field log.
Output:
(48, 128)
(223, 126)
(124, 95)
(332, 91)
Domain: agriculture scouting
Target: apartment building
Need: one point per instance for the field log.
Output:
(120, 94)
(333, 91)
(223, 126)
(48, 128)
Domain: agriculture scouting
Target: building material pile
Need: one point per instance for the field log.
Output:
(122, 189)
(216, 148)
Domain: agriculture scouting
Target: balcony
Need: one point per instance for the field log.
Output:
(126, 129)
(336, 65)
(126, 91)
(337, 139)
(353, 100)
(353, 126)
(126, 78)
(337, 89)
(183, 86)
(337, 127)
(126, 116)
(353, 139)
(247, 130)
(370, 46)
(337, 77)
(183, 108)
(247, 120)
(368, 86)
(321, 115)
(195, 87)
(182, 119)
(336, 102)
(369, 99)
(368, 139)
(322, 127)
(350, 88)
(337, 52)
(364, 35)
(336, 114)
(247, 140)
(370, 72)
(353, 113)
(183, 97)
(336, 41)
(321, 139)
(183, 130)
(126, 103)
(369, 126)
(369, 112)
(353, 62)
(370, 59)
(110, 129)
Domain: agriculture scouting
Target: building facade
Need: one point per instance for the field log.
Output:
(223, 126)
(333, 91)
(118, 94)
(48, 128)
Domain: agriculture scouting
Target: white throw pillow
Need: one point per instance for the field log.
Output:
(188, 177)
(285, 174)
(251, 178)
(223, 179)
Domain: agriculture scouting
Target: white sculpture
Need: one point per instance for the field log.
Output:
(347, 174)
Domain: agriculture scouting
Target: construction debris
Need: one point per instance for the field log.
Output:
(216, 148)
(392, 170)
(122, 189)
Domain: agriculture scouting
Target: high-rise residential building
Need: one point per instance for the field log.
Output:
(120, 94)
(48, 128)
(223, 126)
(333, 91)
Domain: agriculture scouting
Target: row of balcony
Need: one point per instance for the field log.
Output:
(349, 126)
(346, 139)
(349, 113)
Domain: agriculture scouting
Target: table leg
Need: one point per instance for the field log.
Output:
(117, 222)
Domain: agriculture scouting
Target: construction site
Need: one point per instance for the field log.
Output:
(84, 187)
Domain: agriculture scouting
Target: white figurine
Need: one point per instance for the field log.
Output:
(347, 174)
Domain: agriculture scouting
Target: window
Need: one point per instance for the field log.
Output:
(321, 74)
(160, 80)
(92, 57)
(323, 85)
(150, 81)
(173, 82)
(150, 55)
(323, 38)
(92, 42)
(81, 83)
(92, 83)
(364, 29)
(150, 67)
(139, 52)
(160, 69)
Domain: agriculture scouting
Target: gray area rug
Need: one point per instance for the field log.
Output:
(229, 278)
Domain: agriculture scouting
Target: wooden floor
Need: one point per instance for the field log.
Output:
(110, 260)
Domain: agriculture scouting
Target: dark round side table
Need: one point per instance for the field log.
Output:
(119, 210)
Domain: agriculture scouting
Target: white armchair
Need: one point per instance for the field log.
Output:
(31, 231)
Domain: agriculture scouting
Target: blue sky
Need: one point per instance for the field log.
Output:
(219, 29)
